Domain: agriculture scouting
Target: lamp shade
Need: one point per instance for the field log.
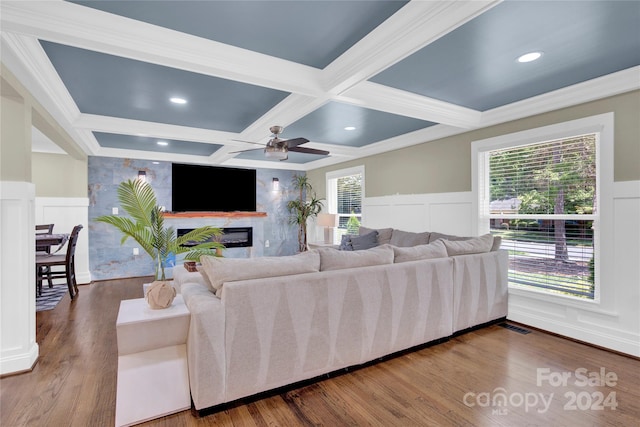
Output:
(326, 220)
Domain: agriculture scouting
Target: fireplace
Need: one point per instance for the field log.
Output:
(232, 237)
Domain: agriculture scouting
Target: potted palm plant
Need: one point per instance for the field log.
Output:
(146, 226)
(306, 206)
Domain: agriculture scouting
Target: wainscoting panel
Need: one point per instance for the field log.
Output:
(443, 212)
(613, 321)
(65, 213)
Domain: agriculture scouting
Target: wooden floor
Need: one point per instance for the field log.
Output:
(450, 384)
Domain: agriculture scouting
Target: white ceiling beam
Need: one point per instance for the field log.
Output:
(155, 130)
(396, 101)
(411, 28)
(75, 25)
(288, 111)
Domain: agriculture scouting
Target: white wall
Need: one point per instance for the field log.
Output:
(613, 323)
(66, 213)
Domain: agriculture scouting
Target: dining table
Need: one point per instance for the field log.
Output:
(50, 241)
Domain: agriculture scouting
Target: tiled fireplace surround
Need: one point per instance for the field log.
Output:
(108, 259)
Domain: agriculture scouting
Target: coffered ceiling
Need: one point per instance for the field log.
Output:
(353, 77)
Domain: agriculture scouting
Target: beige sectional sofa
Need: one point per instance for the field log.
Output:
(261, 323)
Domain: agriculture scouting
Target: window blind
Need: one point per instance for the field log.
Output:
(349, 199)
(541, 199)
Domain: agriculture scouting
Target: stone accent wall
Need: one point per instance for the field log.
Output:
(109, 259)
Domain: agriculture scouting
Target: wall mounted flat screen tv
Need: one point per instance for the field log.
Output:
(197, 188)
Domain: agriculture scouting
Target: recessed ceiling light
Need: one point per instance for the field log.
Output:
(162, 143)
(350, 128)
(528, 57)
(156, 163)
(177, 100)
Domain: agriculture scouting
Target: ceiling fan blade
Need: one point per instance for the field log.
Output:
(242, 151)
(308, 150)
(296, 141)
(248, 142)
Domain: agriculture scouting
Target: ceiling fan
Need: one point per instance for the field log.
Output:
(279, 149)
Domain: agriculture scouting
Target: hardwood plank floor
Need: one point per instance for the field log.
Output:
(448, 384)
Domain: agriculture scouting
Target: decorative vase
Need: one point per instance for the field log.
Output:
(160, 294)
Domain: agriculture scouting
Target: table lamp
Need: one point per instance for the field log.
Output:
(328, 221)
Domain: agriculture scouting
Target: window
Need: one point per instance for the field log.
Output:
(541, 195)
(345, 190)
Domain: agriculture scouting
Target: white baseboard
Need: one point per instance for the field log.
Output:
(611, 340)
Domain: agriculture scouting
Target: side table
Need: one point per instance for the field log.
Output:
(153, 378)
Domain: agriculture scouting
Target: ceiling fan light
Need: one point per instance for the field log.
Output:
(275, 152)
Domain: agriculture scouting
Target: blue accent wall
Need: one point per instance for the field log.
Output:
(109, 259)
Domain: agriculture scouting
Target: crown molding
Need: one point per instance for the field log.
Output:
(37, 74)
(591, 90)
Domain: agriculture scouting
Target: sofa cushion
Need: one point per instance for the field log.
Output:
(332, 259)
(407, 238)
(384, 234)
(428, 251)
(220, 270)
(473, 245)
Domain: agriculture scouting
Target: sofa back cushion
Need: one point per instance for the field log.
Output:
(333, 259)
(428, 251)
(497, 242)
(473, 245)
(384, 234)
(436, 236)
(221, 270)
(407, 238)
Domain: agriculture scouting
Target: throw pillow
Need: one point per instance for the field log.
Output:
(332, 259)
(384, 234)
(428, 251)
(406, 238)
(475, 245)
(345, 243)
(221, 270)
(365, 241)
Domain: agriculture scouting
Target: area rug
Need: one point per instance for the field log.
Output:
(50, 297)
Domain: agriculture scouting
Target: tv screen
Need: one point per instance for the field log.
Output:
(210, 188)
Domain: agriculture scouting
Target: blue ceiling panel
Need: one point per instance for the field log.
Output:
(143, 143)
(114, 86)
(313, 33)
(327, 125)
(475, 65)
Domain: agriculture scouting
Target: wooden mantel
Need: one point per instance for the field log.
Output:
(214, 214)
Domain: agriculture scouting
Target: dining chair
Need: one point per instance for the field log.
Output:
(51, 267)
(44, 229)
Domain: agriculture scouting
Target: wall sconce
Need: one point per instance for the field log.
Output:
(142, 176)
(328, 221)
(275, 184)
